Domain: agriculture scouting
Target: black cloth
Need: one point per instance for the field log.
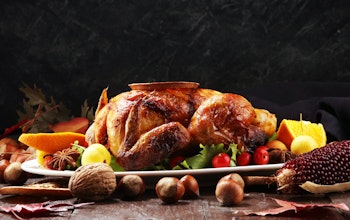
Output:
(326, 103)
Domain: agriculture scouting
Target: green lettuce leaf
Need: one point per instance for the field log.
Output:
(203, 158)
(115, 166)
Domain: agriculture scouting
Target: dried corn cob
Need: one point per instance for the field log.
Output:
(327, 165)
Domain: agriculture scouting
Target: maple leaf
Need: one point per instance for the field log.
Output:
(41, 112)
(296, 207)
(35, 96)
(34, 209)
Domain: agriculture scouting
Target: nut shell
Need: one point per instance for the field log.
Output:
(191, 187)
(131, 186)
(228, 192)
(235, 177)
(170, 189)
(14, 175)
(93, 182)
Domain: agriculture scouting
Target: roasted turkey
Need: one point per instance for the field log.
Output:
(151, 122)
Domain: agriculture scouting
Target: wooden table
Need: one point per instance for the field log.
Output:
(148, 206)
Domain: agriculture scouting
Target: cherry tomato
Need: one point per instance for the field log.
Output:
(244, 159)
(176, 161)
(261, 155)
(221, 160)
(263, 147)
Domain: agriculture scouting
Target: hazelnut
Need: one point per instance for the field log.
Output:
(235, 177)
(229, 192)
(14, 174)
(3, 164)
(131, 186)
(93, 182)
(191, 187)
(170, 189)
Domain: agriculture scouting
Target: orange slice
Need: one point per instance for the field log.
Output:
(51, 142)
(290, 129)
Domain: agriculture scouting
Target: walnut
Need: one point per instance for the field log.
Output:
(93, 182)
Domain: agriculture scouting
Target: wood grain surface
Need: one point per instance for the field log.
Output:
(148, 206)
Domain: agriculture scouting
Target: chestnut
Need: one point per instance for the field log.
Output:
(170, 189)
(229, 192)
(131, 186)
(235, 177)
(191, 187)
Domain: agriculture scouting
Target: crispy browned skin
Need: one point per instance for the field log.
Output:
(225, 118)
(154, 146)
(142, 128)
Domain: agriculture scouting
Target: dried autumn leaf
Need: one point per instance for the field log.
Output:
(87, 112)
(33, 209)
(42, 112)
(296, 207)
(34, 95)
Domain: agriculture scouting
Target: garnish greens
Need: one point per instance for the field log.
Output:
(203, 158)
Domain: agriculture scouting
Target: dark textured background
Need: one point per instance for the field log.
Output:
(74, 49)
